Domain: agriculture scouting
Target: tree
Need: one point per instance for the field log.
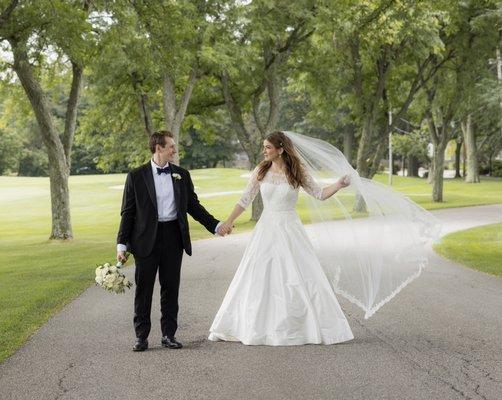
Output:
(9, 149)
(410, 145)
(475, 44)
(472, 175)
(259, 38)
(439, 113)
(18, 131)
(458, 150)
(316, 102)
(449, 97)
(384, 52)
(152, 56)
(33, 35)
(205, 148)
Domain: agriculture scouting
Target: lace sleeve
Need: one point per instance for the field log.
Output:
(251, 190)
(312, 187)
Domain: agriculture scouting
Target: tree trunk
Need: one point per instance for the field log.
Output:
(383, 144)
(464, 161)
(143, 106)
(59, 166)
(440, 137)
(458, 150)
(363, 150)
(246, 138)
(145, 114)
(60, 195)
(471, 150)
(430, 175)
(437, 176)
(413, 166)
(348, 144)
(71, 111)
(173, 114)
(249, 139)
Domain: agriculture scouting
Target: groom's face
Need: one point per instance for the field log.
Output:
(167, 152)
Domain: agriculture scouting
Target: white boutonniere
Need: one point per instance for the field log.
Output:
(176, 176)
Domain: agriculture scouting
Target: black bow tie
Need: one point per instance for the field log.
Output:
(166, 170)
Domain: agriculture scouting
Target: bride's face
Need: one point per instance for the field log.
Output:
(269, 151)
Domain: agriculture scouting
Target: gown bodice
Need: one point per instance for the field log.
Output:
(277, 193)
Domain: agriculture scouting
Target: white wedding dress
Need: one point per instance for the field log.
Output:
(280, 295)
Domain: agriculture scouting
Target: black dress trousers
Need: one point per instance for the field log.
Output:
(165, 257)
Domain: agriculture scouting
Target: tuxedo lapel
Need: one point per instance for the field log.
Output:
(176, 186)
(150, 185)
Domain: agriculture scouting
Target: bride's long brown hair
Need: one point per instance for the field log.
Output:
(294, 169)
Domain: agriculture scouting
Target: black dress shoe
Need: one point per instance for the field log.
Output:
(171, 342)
(140, 345)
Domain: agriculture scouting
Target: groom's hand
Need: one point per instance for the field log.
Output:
(225, 228)
(222, 230)
(121, 256)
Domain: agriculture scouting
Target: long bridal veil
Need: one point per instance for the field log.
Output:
(371, 240)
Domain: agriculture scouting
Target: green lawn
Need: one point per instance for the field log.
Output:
(456, 193)
(38, 277)
(479, 248)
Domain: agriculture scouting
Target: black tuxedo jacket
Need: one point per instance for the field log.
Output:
(138, 226)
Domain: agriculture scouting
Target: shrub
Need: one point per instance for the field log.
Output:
(497, 168)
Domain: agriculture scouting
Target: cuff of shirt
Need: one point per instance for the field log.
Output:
(216, 229)
(121, 247)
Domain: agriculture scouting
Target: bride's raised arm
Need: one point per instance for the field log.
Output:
(312, 187)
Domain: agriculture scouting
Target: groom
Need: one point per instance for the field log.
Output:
(154, 228)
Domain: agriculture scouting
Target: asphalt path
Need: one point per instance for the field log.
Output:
(440, 338)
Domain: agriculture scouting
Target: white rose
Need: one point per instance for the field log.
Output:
(112, 268)
(118, 288)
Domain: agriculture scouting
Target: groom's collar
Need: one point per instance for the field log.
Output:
(155, 165)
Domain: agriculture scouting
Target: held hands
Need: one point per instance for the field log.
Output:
(225, 228)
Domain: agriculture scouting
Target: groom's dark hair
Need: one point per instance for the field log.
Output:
(159, 138)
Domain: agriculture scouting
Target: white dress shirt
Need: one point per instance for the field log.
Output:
(166, 206)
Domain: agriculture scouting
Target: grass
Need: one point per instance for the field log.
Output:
(38, 277)
(456, 193)
(478, 248)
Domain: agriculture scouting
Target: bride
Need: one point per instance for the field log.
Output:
(280, 294)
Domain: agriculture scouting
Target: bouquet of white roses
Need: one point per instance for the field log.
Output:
(110, 278)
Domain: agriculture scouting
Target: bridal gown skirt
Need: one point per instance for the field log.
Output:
(280, 294)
